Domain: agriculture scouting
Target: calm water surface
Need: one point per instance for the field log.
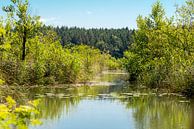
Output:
(106, 107)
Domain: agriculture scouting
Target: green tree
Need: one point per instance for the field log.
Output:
(25, 24)
(162, 52)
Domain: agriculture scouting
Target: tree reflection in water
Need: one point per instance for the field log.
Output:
(159, 113)
(149, 112)
(53, 108)
(192, 115)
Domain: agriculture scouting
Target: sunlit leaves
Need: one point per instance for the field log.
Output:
(2, 31)
(5, 46)
(19, 116)
(162, 52)
(157, 14)
(32, 54)
(25, 26)
(1, 82)
(11, 103)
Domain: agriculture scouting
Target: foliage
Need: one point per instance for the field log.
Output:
(163, 50)
(1, 82)
(115, 41)
(25, 25)
(32, 54)
(12, 115)
(159, 113)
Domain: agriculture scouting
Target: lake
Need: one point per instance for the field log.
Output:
(113, 106)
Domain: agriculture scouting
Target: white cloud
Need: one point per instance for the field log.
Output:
(54, 21)
(89, 12)
(48, 20)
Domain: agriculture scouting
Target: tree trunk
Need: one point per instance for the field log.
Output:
(24, 45)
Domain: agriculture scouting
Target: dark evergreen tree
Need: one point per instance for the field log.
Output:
(114, 41)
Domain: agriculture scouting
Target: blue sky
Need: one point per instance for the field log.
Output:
(95, 13)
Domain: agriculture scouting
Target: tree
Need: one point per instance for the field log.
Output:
(114, 41)
(25, 24)
(163, 50)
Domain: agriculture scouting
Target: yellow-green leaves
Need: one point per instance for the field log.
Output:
(18, 116)
(10, 102)
(2, 31)
(4, 111)
(163, 50)
(5, 46)
(1, 82)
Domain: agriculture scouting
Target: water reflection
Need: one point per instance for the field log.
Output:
(192, 116)
(159, 113)
(106, 107)
(53, 108)
(139, 112)
(63, 100)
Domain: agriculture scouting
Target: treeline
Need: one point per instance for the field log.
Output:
(113, 41)
(31, 55)
(162, 54)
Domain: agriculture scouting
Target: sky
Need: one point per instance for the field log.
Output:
(94, 13)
